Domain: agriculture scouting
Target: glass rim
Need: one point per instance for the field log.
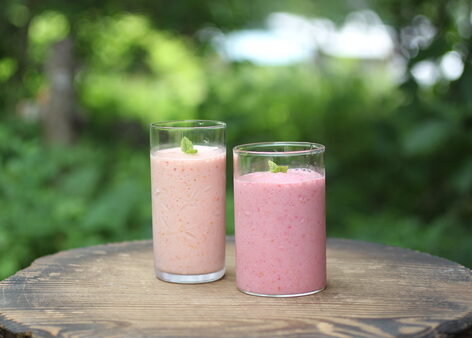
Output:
(310, 148)
(171, 125)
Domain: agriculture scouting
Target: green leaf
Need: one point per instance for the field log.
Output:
(187, 146)
(274, 168)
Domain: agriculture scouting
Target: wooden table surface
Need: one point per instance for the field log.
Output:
(110, 291)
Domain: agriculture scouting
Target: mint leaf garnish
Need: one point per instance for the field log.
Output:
(274, 168)
(187, 146)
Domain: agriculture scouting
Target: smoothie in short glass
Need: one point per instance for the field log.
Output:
(279, 193)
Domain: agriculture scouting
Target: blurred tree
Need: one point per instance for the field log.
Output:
(59, 109)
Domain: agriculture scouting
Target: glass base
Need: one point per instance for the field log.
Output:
(282, 296)
(190, 279)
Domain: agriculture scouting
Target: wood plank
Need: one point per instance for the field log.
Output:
(110, 291)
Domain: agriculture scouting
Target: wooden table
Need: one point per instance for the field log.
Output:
(110, 290)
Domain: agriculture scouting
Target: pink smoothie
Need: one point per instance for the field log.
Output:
(188, 210)
(280, 232)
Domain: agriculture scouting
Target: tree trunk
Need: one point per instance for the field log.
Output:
(58, 112)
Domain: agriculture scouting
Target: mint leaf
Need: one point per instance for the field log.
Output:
(274, 168)
(187, 146)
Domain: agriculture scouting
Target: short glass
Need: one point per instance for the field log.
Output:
(280, 232)
(188, 182)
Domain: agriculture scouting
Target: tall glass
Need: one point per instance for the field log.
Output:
(188, 181)
(279, 197)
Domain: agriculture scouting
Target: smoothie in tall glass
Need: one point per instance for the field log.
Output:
(188, 185)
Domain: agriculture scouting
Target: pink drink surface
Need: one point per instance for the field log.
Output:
(188, 210)
(280, 232)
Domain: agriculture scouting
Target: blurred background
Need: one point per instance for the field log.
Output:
(386, 86)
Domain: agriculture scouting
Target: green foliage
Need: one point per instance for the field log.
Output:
(385, 180)
(48, 27)
(53, 199)
(137, 72)
(443, 236)
(7, 68)
(390, 178)
(399, 160)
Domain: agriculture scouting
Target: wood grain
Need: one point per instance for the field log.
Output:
(110, 291)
